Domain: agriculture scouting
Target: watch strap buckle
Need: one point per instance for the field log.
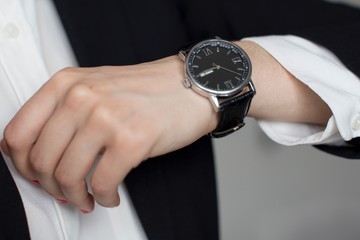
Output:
(220, 134)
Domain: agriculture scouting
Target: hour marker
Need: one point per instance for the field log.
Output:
(240, 69)
(197, 56)
(236, 60)
(229, 84)
(195, 66)
(217, 49)
(228, 52)
(207, 51)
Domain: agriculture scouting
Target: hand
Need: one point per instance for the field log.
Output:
(124, 114)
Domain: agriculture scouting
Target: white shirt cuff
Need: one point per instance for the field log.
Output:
(324, 73)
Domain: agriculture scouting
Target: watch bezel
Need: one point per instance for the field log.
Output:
(203, 90)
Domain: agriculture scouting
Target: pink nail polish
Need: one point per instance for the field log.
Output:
(62, 201)
(36, 182)
(84, 211)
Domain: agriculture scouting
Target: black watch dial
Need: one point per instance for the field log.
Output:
(218, 67)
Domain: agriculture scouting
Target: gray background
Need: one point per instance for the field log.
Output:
(273, 192)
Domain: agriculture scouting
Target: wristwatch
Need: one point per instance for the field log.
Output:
(221, 71)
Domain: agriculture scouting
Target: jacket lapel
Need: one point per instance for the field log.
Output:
(13, 224)
(110, 33)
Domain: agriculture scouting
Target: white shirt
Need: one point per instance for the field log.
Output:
(28, 31)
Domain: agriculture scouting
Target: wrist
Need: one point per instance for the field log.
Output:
(198, 107)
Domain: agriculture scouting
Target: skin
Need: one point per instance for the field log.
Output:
(127, 114)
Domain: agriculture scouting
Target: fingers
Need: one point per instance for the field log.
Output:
(39, 133)
(63, 167)
(76, 163)
(119, 157)
(48, 150)
(123, 151)
(66, 149)
(110, 171)
(24, 129)
(114, 111)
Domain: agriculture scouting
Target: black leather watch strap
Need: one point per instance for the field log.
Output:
(232, 114)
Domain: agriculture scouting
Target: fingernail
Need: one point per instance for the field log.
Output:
(36, 182)
(62, 201)
(84, 211)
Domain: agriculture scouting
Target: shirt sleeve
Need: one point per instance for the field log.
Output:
(323, 72)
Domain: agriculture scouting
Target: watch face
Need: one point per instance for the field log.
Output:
(218, 67)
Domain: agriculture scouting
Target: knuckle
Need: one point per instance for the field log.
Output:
(78, 97)
(102, 114)
(65, 73)
(101, 188)
(61, 77)
(79, 93)
(39, 167)
(11, 138)
(64, 179)
(15, 138)
(37, 162)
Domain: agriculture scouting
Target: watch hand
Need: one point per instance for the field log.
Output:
(206, 72)
(226, 69)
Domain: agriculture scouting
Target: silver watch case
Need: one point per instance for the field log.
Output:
(216, 97)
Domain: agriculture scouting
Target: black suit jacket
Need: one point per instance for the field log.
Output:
(175, 194)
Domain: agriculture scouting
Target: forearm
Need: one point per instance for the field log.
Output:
(279, 95)
(325, 74)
